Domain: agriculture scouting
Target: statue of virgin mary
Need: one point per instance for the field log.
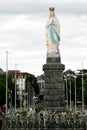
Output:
(52, 34)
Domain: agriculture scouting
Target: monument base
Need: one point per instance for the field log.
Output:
(54, 92)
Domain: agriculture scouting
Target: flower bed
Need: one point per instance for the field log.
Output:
(43, 120)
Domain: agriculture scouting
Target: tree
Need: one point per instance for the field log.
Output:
(2, 89)
(69, 76)
(72, 74)
(32, 80)
(79, 84)
(30, 87)
(11, 88)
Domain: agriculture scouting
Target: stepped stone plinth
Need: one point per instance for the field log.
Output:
(54, 93)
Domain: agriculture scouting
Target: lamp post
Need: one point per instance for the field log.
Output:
(6, 81)
(11, 98)
(27, 100)
(15, 85)
(82, 93)
(66, 90)
(66, 94)
(20, 98)
(28, 95)
(82, 81)
(70, 94)
(75, 94)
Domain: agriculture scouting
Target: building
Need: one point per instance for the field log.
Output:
(25, 94)
(20, 78)
(1, 71)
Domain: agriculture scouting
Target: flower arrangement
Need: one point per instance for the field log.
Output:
(43, 119)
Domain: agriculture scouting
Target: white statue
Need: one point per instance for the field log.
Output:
(52, 34)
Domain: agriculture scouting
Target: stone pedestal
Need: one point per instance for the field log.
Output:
(54, 93)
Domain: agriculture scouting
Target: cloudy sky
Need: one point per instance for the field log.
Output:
(22, 33)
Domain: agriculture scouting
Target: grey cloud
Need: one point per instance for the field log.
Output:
(73, 8)
(41, 8)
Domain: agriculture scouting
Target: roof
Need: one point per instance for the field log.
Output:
(1, 71)
(18, 73)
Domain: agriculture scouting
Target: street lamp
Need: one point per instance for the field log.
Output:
(15, 85)
(70, 94)
(82, 88)
(20, 98)
(6, 81)
(28, 95)
(82, 93)
(75, 94)
(66, 94)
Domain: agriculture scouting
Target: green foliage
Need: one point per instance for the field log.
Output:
(2, 89)
(38, 108)
(85, 88)
(32, 80)
(24, 113)
(11, 88)
(70, 75)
